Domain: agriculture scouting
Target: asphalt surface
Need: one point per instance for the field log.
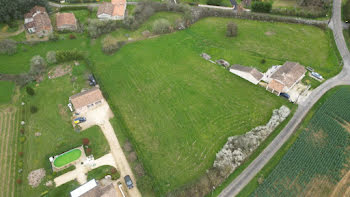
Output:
(343, 78)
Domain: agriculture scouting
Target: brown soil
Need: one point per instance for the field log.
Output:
(318, 186)
(318, 138)
(343, 186)
(270, 33)
(59, 71)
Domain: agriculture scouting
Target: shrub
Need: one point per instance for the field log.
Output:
(37, 66)
(53, 37)
(69, 55)
(20, 164)
(88, 151)
(72, 36)
(346, 12)
(8, 47)
(97, 27)
(22, 139)
(51, 57)
(114, 173)
(86, 141)
(263, 61)
(111, 45)
(259, 6)
(231, 29)
(30, 91)
(214, 2)
(20, 154)
(22, 130)
(19, 181)
(33, 109)
(161, 26)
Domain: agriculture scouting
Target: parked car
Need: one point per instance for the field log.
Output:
(318, 76)
(92, 80)
(128, 181)
(285, 95)
(79, 120)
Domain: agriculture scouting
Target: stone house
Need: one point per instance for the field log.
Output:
(248, 73)
(86, 100)
(286, 77)
(38, 21)
(112, 11)
(66, 21)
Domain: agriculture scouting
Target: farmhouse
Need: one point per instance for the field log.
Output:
(112, 11)
(250, 74)
(286, 77)
(87, 99)
(66, 21)
(38, 21)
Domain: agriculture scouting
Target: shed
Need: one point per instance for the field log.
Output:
(66, 21)
(248, 73)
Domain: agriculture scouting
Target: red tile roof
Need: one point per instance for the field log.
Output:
(65, 19)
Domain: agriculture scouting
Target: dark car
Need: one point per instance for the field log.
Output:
(92, 80)
(285, 95)
(128, 182)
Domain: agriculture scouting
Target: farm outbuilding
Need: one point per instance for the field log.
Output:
(87, 99)
(66, 21)
(248, 73)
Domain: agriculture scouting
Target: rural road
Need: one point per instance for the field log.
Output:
(343, 78)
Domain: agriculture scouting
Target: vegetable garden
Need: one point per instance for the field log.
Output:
(319, 159)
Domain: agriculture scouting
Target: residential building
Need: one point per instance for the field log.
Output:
(38, 21)
(94, 189)
(112, 11)
(66, 21)
(248, 73)
(86, 100)
(285, 77)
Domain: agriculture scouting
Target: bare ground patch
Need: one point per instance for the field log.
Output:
(318, 138)
(270, 33)
(318, 186)
(59, 71)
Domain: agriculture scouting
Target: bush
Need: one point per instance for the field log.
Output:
(72, 36)
(30, 91)
(22, 131)
(161, 26)
(53, 37)
(51, 57)
(111, 45)
(20, 164)
(97, 27)
(214, 2)
(37, 66)
(22, 139)
(263, 61)
(231, 29)
(88, 151)
(8, 47)
(19, 181)
(33, 109)
(20, 154)
(86, 141)
(69, 55)
(259, 6)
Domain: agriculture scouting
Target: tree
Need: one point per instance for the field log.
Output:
(231, 29)
(30, 91)
(111, 45)
(8, 47)
(161, 26)
(86, 141)
(51, 57)
(37, 65)
(15, 9)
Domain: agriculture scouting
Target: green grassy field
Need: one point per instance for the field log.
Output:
(67, 158)
(7, 89)
(53, 122)
(315, 159)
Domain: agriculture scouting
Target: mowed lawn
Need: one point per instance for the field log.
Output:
(7, 89)
(180, 109)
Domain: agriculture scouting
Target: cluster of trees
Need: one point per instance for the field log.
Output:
(8, 46)
(161, 26)
(15, 9)
(111, 45)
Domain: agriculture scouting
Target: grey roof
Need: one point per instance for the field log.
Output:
(253, 71)
(289, 73)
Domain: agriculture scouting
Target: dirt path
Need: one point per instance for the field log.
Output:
(342, 186)
(6, 35)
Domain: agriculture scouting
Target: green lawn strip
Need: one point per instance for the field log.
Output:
(101, 172)
(347, 37)
(254, 155)
(53, 122)
(253, 184)
(7, 89)
(67, 157)
(62, 191)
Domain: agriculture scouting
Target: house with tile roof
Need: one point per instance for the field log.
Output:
(38, 21)
(248, 73)
(112, 11)
(286, 77)
(66, 21)
(86, 100)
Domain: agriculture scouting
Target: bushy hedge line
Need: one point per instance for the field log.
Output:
(69, 55)
(299, 12)
(260, 6)
(346, 11)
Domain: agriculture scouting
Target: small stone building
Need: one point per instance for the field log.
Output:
(38, 21)
(248, 73)
(86, 100)
(66, 21)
